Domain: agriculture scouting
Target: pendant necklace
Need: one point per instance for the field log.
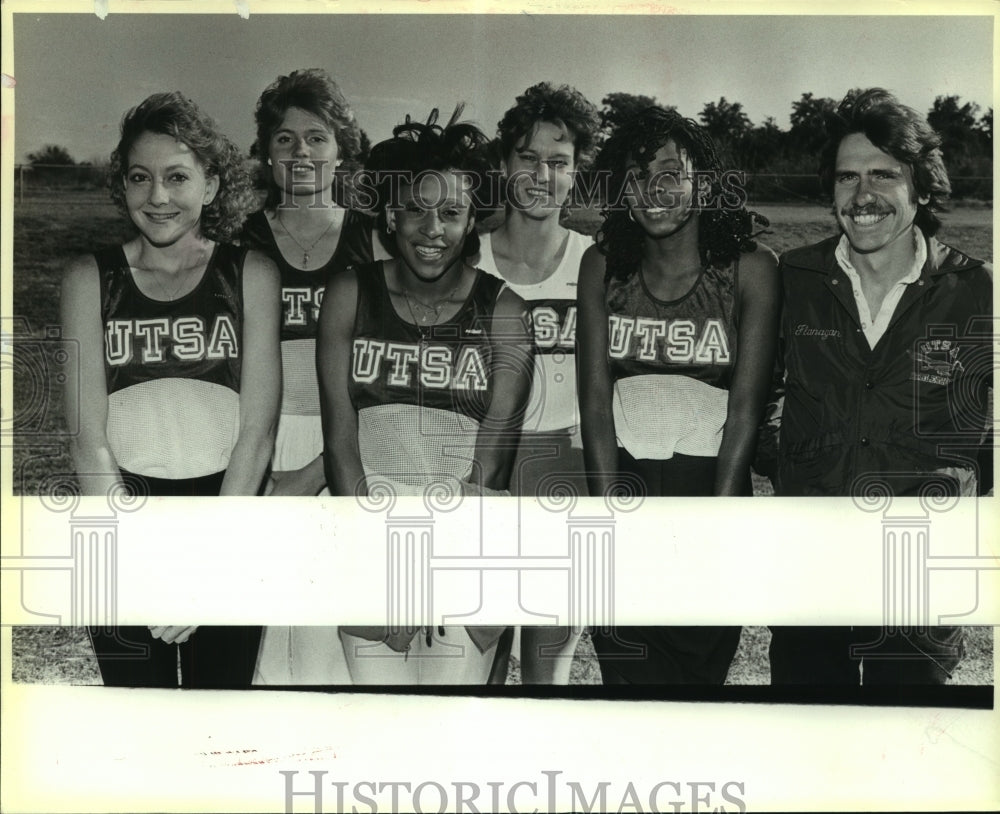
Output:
(422, 322)
(171, 296)
(311, 246)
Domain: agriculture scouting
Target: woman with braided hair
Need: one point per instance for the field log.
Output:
(425, 369)
(676, 340)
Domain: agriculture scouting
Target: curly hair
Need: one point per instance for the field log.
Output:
(563, 105)
(312, 90)
(724, 231)
(173, 114)
(902, 133)
(416, 148)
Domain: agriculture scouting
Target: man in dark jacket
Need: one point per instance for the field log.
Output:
(887, 350)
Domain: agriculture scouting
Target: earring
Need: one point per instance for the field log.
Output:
(631, 217)
(269, 163)
(388, 229)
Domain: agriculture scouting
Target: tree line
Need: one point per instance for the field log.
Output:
(766, 148)
(761, 150)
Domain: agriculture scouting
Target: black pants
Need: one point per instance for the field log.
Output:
(863, 655)
(667, 655)
(213, 657)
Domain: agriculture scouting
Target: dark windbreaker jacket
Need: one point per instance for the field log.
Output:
(910, 412)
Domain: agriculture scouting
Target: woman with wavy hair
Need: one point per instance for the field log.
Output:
(306, 132)
(178, 379)
(676, 343)
(306, 137)
(424, 369)
(544, 139)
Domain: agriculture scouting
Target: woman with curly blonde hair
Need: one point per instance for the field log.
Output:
(178, 378)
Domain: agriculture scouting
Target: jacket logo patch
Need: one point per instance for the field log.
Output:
(936, 361)
(822, 333)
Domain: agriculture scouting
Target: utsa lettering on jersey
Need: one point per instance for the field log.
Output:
(446, 368)
(436, 366)
(184, 338)
(300, 305)
(554, 322)
(175, 363)
(677, 340)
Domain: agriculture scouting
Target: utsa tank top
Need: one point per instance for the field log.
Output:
(173, 368)
(420, 393)
(671, 363)
(301, 297)
(553, 403)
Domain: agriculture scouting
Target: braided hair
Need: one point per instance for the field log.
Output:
(724, 231)
(417, 147)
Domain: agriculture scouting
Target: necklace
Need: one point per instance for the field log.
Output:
(311, 246)
(426, 309)
(169, 295)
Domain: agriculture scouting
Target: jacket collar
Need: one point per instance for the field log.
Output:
(820, 257)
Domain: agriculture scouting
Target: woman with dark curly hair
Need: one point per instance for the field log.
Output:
(676, 344)
(178, 379)
(424, 369)
(547, 136)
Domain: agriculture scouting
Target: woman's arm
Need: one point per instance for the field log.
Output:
(86, 390)
(593, 379)
(759, 298)
(260, 377)
(334, 341)
(512, 369)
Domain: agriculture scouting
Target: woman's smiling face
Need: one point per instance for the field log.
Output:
(660, 197)
(303, 153)
(432, 222)
(166, 188)
(540, 167)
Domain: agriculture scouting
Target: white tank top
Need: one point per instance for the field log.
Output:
(553, 404)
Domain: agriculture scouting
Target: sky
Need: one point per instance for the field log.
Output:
(76, 74)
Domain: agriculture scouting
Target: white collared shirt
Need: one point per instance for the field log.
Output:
(874, 325)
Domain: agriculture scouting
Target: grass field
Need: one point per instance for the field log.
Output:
(49, 229)
(62, 655)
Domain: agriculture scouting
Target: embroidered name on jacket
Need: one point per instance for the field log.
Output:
(678, 340)
(403, 364)
(166, 339)
(822, 333)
